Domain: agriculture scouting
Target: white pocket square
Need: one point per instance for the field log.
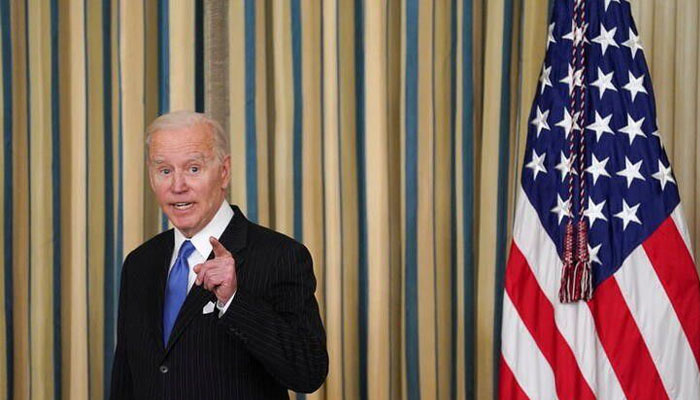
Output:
(208, 308)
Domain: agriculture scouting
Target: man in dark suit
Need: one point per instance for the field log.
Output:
(218, 307)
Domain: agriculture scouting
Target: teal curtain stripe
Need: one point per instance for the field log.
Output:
(7, 124)
(297, 133)
(362, 268)
(109, 268)
(119, 242)
(468, 190)
(120, 189)
(163, 70)
(453, 200)
(251, 144)
(56, 200)
(298, 120)
(502, 215)
(163, 56)
(199, 56)
(411, 199)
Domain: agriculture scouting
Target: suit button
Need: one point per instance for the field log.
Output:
(163, 369)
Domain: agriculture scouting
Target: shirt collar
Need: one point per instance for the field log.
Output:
(215, 228)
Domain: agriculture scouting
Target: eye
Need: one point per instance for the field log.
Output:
(164, 171)
(194, 169)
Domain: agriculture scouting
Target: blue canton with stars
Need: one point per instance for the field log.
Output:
(630, 189)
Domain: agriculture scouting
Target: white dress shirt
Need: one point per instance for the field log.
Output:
(202, 247)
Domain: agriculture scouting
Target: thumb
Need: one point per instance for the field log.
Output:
(219, 249)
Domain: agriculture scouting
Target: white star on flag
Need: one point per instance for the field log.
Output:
(604, 82)
(572, 79)
(633, 128)
(540, 120)
(634, 43)
(628, 214)
(663, 175)
(564, 166)
(570, 35)
(577, 34)
(562, 209)
(550, 35)
(594, 212)
(597, 168)
(537, 164)
(600, 126)
(631, 171)
(606, 38)
(566, 123)
(593, 254)
(635, 85)
(657, 134)
(544, 78)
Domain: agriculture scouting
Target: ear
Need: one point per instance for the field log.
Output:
(225, 171)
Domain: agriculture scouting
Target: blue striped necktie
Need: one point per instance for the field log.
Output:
(176, 290)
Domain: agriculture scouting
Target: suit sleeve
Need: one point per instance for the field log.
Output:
(283, 331)
(121, 387)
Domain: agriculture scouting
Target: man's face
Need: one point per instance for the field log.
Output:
(187, 177)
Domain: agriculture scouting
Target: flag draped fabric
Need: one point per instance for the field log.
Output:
(594, 154)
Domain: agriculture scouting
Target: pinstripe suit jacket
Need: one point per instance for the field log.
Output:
(269, 340)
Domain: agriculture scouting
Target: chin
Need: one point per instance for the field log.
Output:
(184, 224)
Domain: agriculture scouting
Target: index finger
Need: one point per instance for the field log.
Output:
(219, 249)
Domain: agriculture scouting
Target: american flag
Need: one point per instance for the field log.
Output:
(638, 337)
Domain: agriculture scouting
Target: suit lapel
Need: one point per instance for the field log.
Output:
(162, 257)
(234, 239)
(195, 301)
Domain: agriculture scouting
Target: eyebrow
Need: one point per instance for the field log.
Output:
(193, 157)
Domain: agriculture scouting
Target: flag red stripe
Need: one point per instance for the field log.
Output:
(624, 345)
(676, 270)
(537, 313)
(508, 386)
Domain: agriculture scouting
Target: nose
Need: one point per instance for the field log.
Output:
(179, 183)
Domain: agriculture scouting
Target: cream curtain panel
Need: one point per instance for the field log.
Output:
(386, 135)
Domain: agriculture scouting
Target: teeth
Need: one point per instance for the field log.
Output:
(182, 205)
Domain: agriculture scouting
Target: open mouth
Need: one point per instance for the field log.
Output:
(182, 206)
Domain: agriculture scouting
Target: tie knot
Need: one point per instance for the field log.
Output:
(186, 249)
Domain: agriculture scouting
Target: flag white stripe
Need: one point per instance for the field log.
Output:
(574, 321)
(659, 325)
(523, 356)
(679, 219)
(537, 247)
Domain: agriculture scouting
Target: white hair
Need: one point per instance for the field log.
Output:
(178, 120)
